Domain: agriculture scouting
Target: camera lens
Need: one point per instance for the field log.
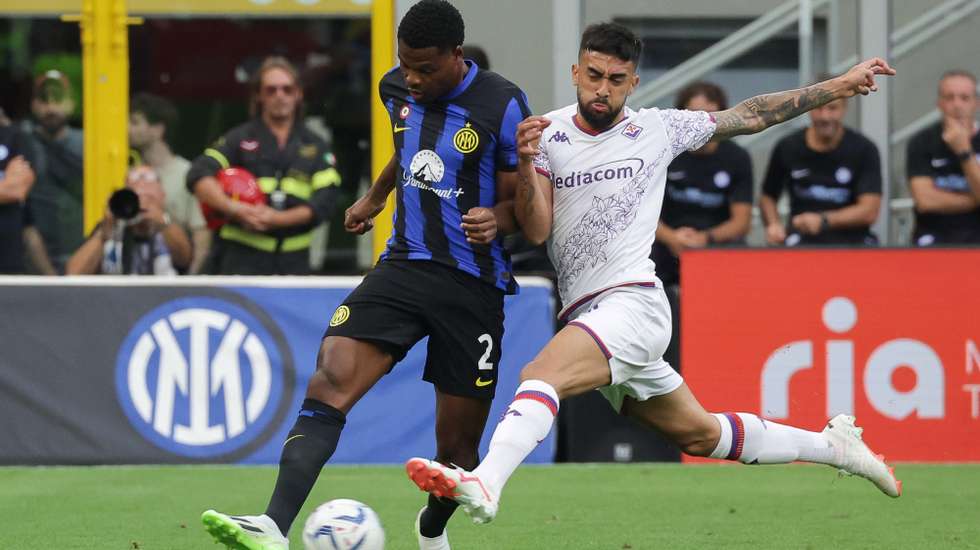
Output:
(124, 204)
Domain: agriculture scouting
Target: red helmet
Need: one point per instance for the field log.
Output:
(241, 186)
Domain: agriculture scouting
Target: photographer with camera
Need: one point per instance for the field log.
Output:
(136, 237)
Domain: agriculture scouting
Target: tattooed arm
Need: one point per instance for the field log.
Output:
(760, 112)
(532, 202)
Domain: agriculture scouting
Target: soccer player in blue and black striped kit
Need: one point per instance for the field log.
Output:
(444, 274)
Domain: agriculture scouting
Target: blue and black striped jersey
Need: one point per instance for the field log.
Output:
(449, 152)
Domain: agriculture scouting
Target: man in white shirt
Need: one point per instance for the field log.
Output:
(592, 179)
(151, 120)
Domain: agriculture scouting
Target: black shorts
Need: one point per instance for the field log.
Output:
(400, 302)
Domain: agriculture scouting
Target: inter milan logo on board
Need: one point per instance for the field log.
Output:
(403, 114)
(201, 376)
(632, 131)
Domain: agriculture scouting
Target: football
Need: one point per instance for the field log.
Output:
(343, 524)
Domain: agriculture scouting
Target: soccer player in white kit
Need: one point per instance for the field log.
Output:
(592, 181)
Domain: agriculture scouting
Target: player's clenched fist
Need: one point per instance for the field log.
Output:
(529, 136)
(359, 218)
(480, 225)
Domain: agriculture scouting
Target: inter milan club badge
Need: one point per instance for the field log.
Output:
(403, 114)
(466, 139)
(632, 130)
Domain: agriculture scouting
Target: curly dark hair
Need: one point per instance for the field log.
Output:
(432, 23)
(155, 109)
(711, 91)
(612, 39)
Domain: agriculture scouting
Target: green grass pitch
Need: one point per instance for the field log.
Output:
(554, 507)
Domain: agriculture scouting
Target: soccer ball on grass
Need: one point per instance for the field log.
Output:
(343, 524)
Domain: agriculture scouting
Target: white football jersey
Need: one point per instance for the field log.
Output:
(608, 190)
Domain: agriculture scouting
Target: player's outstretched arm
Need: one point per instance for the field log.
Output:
(760, 112)
(532, 203)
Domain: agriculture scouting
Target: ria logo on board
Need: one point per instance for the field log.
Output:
(926, 399)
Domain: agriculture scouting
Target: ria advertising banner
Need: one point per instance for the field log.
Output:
(109, 370)
(891, 336)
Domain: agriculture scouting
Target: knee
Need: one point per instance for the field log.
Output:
(539, 370)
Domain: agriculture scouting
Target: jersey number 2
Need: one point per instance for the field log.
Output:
(484, 363)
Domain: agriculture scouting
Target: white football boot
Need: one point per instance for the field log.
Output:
(425, 543)
(475, 497)
(244, 532)
(855, 458)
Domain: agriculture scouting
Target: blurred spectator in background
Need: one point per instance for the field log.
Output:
(707, 201)
(833, 175)
(478, 55)
(18, 237)
(152, 120)
(942, 167)
(56, 201)
(294, 169)
(136, 236)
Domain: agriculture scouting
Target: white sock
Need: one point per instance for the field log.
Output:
(747, 438)
(525, 424)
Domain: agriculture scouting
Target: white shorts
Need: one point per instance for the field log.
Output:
(631, 325)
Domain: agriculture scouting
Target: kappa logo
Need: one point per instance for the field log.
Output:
(202, 377)
(632, 131)
(249, 145)
(559, 137)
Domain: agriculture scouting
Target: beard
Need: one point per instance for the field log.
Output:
(598, 121)
(53, 123)
(827, 130)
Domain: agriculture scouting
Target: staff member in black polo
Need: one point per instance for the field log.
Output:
(708, 198)
(943, 169)
(833, 176)
(293, 168)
